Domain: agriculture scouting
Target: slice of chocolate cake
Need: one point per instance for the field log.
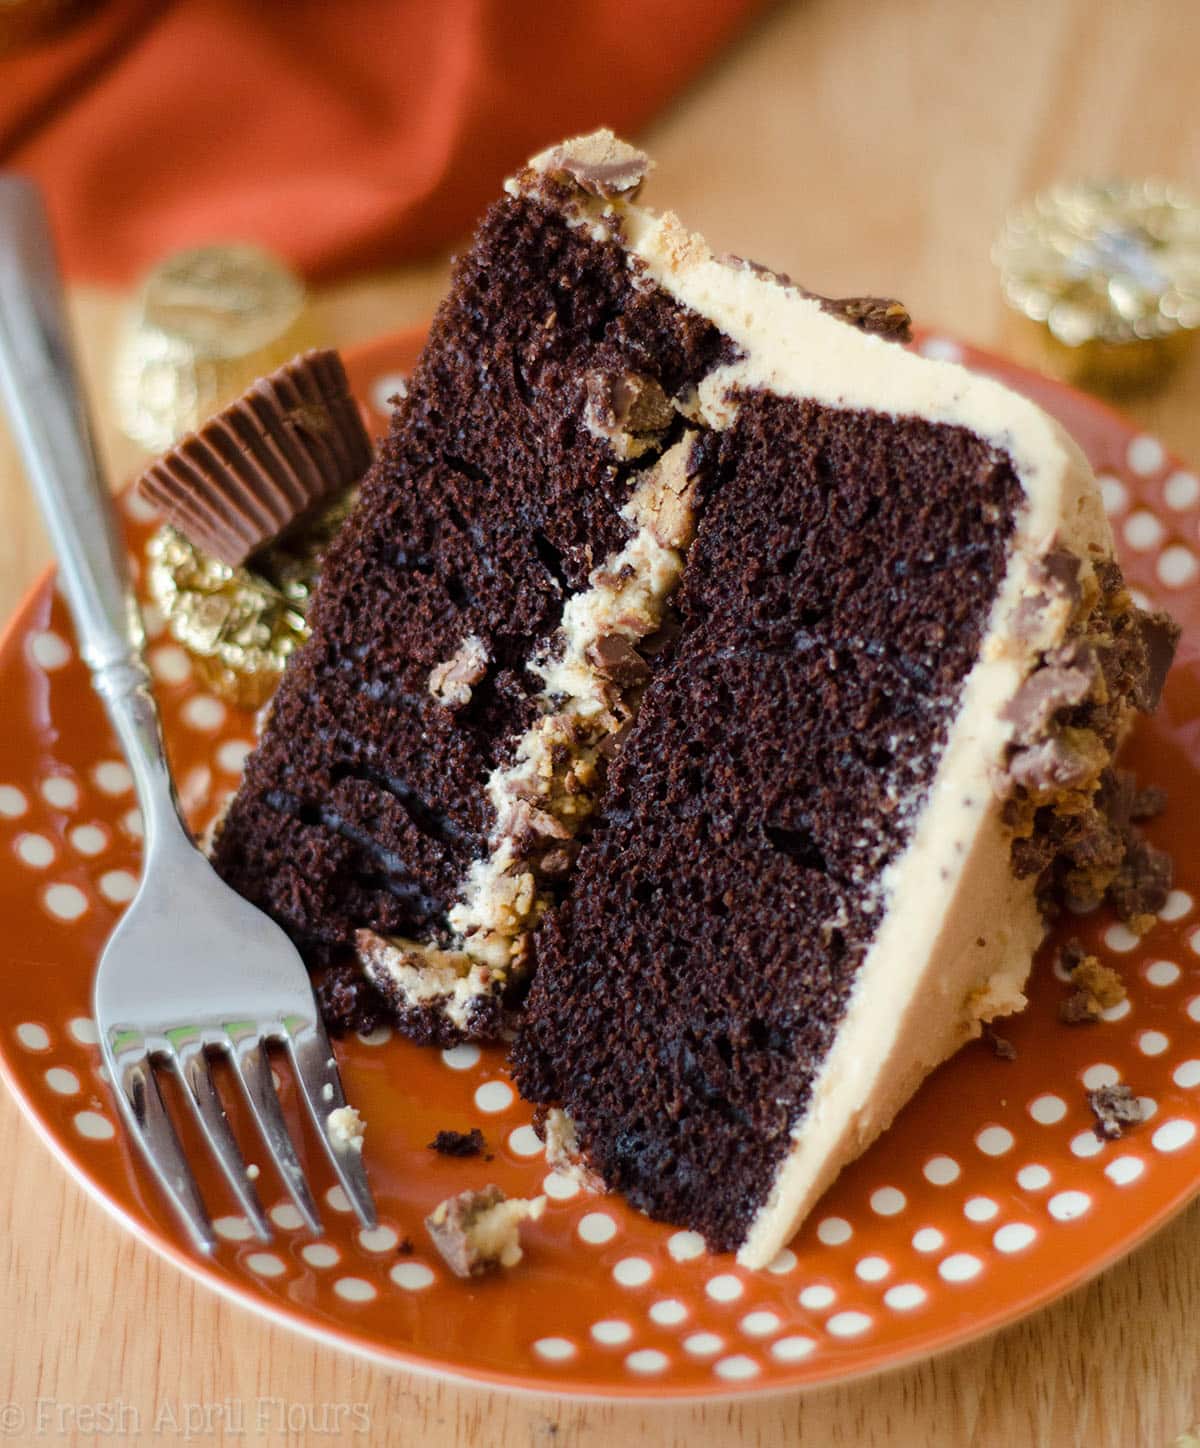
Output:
(755, 679)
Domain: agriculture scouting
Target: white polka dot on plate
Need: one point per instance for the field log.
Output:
(119, 886)
(761, 1323)
(817, 1297)
(994, 1140)
(833, 1231)
(703, 1344)
(737, 1369)
(1176, 566)
(941, 349)
(354, 1289)
(596, 1228)
(94, 1126)
(1181, 490)
(1149, 1107)
(462, 1058)
(632, 1272)
(36, 851)
(48, 650)
(1143, 531)
(941, 1170)
(62, 1081)
(1113, 493)
(169, 664)
(59, 791)
(1086, 1144)
(338, 1199)
(554, 1349)
(1193, 1008)
(525, 1141)
(1145, 455)
(980, 1209)
(647, 1360)
(1124, 1169)
(380, 1036)
(132, 824)
(378, 1239)
(83, 1028)
(1047, 1109)
(203, 712)
(287, 1216)
(1033, 1178)
(233, 1229)
(1177, 905)
(1066, 1206)
(13, 803)
(494, 1096)
(320, 1254)
(611, 1331)
(848, 1324)
(1101, 1074)
(887, 1201)
(1152, 1043)
(872, 1269)
(1163, 973)
(412, 1276)
(904, 1296)
(232, 755)
(33, 1037)
(928, 1239)
(669, 1312)
(1174, 1135)
(140, 509)
(1117, 1012)
(265, 1264)
(791, 1349)
(560, 1186)
(1013, 1237)
(724, 1287)
(1121, 939)
(783, 1261)
(1187, 1074)
(88, 839)
(684, 1246)
(65, 902)
(959, 1267)
(112, 777)
(383, 389)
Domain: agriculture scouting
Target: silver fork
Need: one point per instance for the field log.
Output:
(191, 969)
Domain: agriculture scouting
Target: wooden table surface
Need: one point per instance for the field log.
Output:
(861, 145)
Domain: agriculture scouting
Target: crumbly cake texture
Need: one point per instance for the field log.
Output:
(757, 680)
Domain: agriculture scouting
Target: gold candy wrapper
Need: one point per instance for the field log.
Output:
(241, 625)
(1106, 277)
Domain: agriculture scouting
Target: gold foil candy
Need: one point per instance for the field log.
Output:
(1107, 277)
(206, 323)
(241, 625)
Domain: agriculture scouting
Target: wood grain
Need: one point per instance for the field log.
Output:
(859, 145)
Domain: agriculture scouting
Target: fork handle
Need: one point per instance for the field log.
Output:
(40, 386)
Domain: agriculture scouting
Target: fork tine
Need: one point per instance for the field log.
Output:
(146, 1116)
(321, 1085)
(253, 1068)
(194, 1070)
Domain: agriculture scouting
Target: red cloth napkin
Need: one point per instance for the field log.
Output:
(342, 135)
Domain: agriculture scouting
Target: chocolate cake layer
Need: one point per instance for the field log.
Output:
(835, 598)
(364, 805)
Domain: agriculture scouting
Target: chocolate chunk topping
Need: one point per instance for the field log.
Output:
(599, 163)
(1115, 1108)
(1001, 1045)
(1065, 680)
(1065, 761)
(286, 446)
(349, 1002)
(615, 658)
(459, 1143)
(881, 316)
(1053, 577)
(1160, 634)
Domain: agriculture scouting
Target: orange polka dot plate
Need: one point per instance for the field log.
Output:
(990, 1196)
